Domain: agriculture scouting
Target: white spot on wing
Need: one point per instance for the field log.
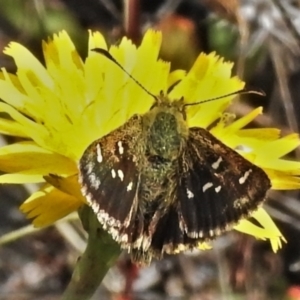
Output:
(189, 194)
(129, 186)
(94, 181)
(121, 148)
(121, 174)
(96, 184)
(84, 190)
(207, 186)
(89, 168)
(95, 206)
(99, 154)
(244, 148)
(113, 173)
(114, 233)
(218, 189)
(216, 164)
(92, 176)
(243, 179)
(124, 238)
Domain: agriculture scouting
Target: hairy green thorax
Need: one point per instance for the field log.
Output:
(165, 129)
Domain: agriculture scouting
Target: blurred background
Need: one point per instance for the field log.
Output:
(262, 37)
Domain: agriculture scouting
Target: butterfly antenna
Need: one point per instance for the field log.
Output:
(111, 58)
(239, 92)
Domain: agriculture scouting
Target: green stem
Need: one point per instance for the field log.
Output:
(100, 254)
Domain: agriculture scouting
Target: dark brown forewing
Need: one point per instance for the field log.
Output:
(217, 187)
(110, 180)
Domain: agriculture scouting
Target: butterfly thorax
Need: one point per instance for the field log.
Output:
(165, 129)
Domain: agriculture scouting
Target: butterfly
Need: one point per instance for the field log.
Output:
(158, 186)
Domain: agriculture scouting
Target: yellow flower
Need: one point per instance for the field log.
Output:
(60, 108)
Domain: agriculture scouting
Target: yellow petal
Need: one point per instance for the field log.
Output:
(27, 64)
(49, 205)
(266, 221)
(12, 79)
(68, 185)
(147, 56)
(288, 166)
(228, 133)
(21, 178)
(176, 77)
(204, 246)
(283, 181)
(12, 128)
(91, 67)
(10, 85)
(247, 227)
(61, 51)
(96, 40)
(278, 148)
(209, 77)
(266, 134)
(36, 131)
(245, 120)
(267, 231)
(29, 157)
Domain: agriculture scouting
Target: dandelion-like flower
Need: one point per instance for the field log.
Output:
(59, 109)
